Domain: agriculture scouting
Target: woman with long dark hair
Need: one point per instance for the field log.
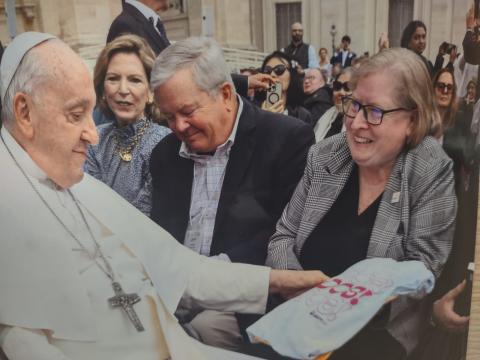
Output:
(279, 66)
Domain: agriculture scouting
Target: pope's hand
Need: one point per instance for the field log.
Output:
(290, 283)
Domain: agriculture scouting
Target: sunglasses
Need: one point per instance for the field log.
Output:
(278, 69)
(442, 86)
(338, 85)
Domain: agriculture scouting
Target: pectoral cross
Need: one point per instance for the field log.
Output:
(126, 301)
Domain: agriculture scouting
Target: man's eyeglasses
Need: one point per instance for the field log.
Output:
(442, 86)
(373, 114)
(338, 85)
(278, 69)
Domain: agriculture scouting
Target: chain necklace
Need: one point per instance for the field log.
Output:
(125, 152)
(120, 299)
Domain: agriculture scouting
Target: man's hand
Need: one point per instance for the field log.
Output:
(290, 283)
(260, 81)
(383, 42)
(444, 314)
(470, 18)
(453, 55)
(441, 49)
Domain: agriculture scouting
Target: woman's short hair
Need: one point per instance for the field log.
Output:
(409, 31)
(449, 117)
(295, 89)
(412, 88)
(129, 44)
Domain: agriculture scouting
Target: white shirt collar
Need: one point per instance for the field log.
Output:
(187, 153)
(144, 9)
(22, 157)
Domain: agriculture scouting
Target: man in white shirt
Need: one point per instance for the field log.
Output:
(83, 274)
(344, 56)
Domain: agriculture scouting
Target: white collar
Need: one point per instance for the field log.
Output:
(22, 157)
(187, 153)
(144, 9)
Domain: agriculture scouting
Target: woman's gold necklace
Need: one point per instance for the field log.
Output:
(125, 152)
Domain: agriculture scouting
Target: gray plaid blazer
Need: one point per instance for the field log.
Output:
(415, 219)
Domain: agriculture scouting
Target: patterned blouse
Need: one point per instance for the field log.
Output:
(131, 179)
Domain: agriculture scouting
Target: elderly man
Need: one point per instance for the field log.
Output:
(83, 274)
(319, 96)
(304, 54)
(222, 179)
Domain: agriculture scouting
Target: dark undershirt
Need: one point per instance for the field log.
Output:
(341, 238)
(336, 126)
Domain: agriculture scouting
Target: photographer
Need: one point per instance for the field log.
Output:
(286, 98)
(445, 49)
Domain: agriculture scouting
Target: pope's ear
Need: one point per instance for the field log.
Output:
(22, 104)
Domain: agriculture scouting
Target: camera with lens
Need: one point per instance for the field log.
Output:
(447, 47)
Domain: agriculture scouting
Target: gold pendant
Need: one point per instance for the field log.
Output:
(126, 156)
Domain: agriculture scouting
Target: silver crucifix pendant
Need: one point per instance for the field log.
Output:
(126, 301)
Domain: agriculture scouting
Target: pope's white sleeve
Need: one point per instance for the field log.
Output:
(25, 344)
(223, 286)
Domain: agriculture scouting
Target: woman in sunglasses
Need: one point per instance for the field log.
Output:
(279, 66)
(332, 121)
(445, 97)
(384, 188)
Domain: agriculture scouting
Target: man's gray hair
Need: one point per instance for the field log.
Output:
(31, 72)
(200, 54)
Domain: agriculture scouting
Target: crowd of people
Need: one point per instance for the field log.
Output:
(211, 198)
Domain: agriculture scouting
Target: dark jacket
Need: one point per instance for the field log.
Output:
(132, 21)
(319, 102)
(266, 162)
(337, 58)
(298, 53)
(300, 112)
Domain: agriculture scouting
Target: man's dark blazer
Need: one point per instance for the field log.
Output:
(132, 21)
(337, 58)
(266, 162)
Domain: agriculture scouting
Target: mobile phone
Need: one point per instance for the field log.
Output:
(274, 93)
(463, 302)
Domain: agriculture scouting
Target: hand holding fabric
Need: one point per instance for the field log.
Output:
(290, 283)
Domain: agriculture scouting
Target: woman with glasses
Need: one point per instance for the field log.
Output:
(383, 188)
(279, 66)
(332, 121)
(121, 158)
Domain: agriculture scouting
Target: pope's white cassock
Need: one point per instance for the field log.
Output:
(53, 296)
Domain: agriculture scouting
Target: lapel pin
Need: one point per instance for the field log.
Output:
(395, 197)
